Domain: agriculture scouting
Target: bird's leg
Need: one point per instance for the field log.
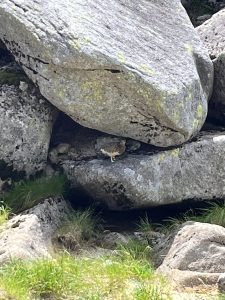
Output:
(112, 158)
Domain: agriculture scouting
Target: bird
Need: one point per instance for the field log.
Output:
(113, 149)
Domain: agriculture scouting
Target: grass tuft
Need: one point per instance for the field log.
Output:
(4, 214)
(214, 214)
(26, 194)
(67, 277)
(81, 225)
(136, 250)
(145, 224)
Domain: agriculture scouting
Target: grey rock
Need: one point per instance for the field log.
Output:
(221, 283)
(28, 235)
(26, 124)
(112, 66)
(63, 148)
(203, 18)
(197, 247)
(193, 255)
(132, 145)
(194, 171)
(212, 34)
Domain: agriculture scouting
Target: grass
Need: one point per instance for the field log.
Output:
(80, 226)
(214, 214)
(117, 277)
(145, 224)
(4, 214)
(27, 194)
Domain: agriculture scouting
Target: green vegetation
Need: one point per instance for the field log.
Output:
(136, 250)
(145, 224)
(66, 277)
(80, 225)
(214, 214)
(4, 214)
(26, 194)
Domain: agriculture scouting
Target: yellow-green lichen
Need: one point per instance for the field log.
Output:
(121, 57)
(147, 70)
(162, 157)
(92, 90)
(80, 42)
(199, 111)
(175, 152)
(195, 124)
(189, 48)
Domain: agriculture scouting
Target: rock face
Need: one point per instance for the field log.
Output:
(194, 171)
(28, 235)
(197, 247)
(26, 123)
(112, 66)
(195, 253)
(212, 34)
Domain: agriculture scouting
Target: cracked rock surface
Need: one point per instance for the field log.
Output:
(112, 66)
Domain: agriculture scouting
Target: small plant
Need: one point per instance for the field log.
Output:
(68, 277)
(152, 292)
(26, 194)
(137, 250)
(145, 224)
(4, 214)
(80, 225)
(215, 214)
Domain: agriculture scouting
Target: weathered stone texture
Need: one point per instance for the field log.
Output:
(128, 69)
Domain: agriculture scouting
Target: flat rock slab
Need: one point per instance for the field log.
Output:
(28, 235)
(112, 66)
(194, 171)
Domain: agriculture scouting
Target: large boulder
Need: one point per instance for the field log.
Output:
(212, 34)
(26, 124)
(194, 171)
(193, 254)
(133, 70)
(28, 235)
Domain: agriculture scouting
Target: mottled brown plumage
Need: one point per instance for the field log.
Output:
(114, 149)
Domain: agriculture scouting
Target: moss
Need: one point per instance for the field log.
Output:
(11, 78)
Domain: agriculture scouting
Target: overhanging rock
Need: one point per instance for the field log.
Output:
(128, 69)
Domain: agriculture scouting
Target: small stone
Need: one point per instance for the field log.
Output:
(63, 148)
(221, 283)
(23, 86)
